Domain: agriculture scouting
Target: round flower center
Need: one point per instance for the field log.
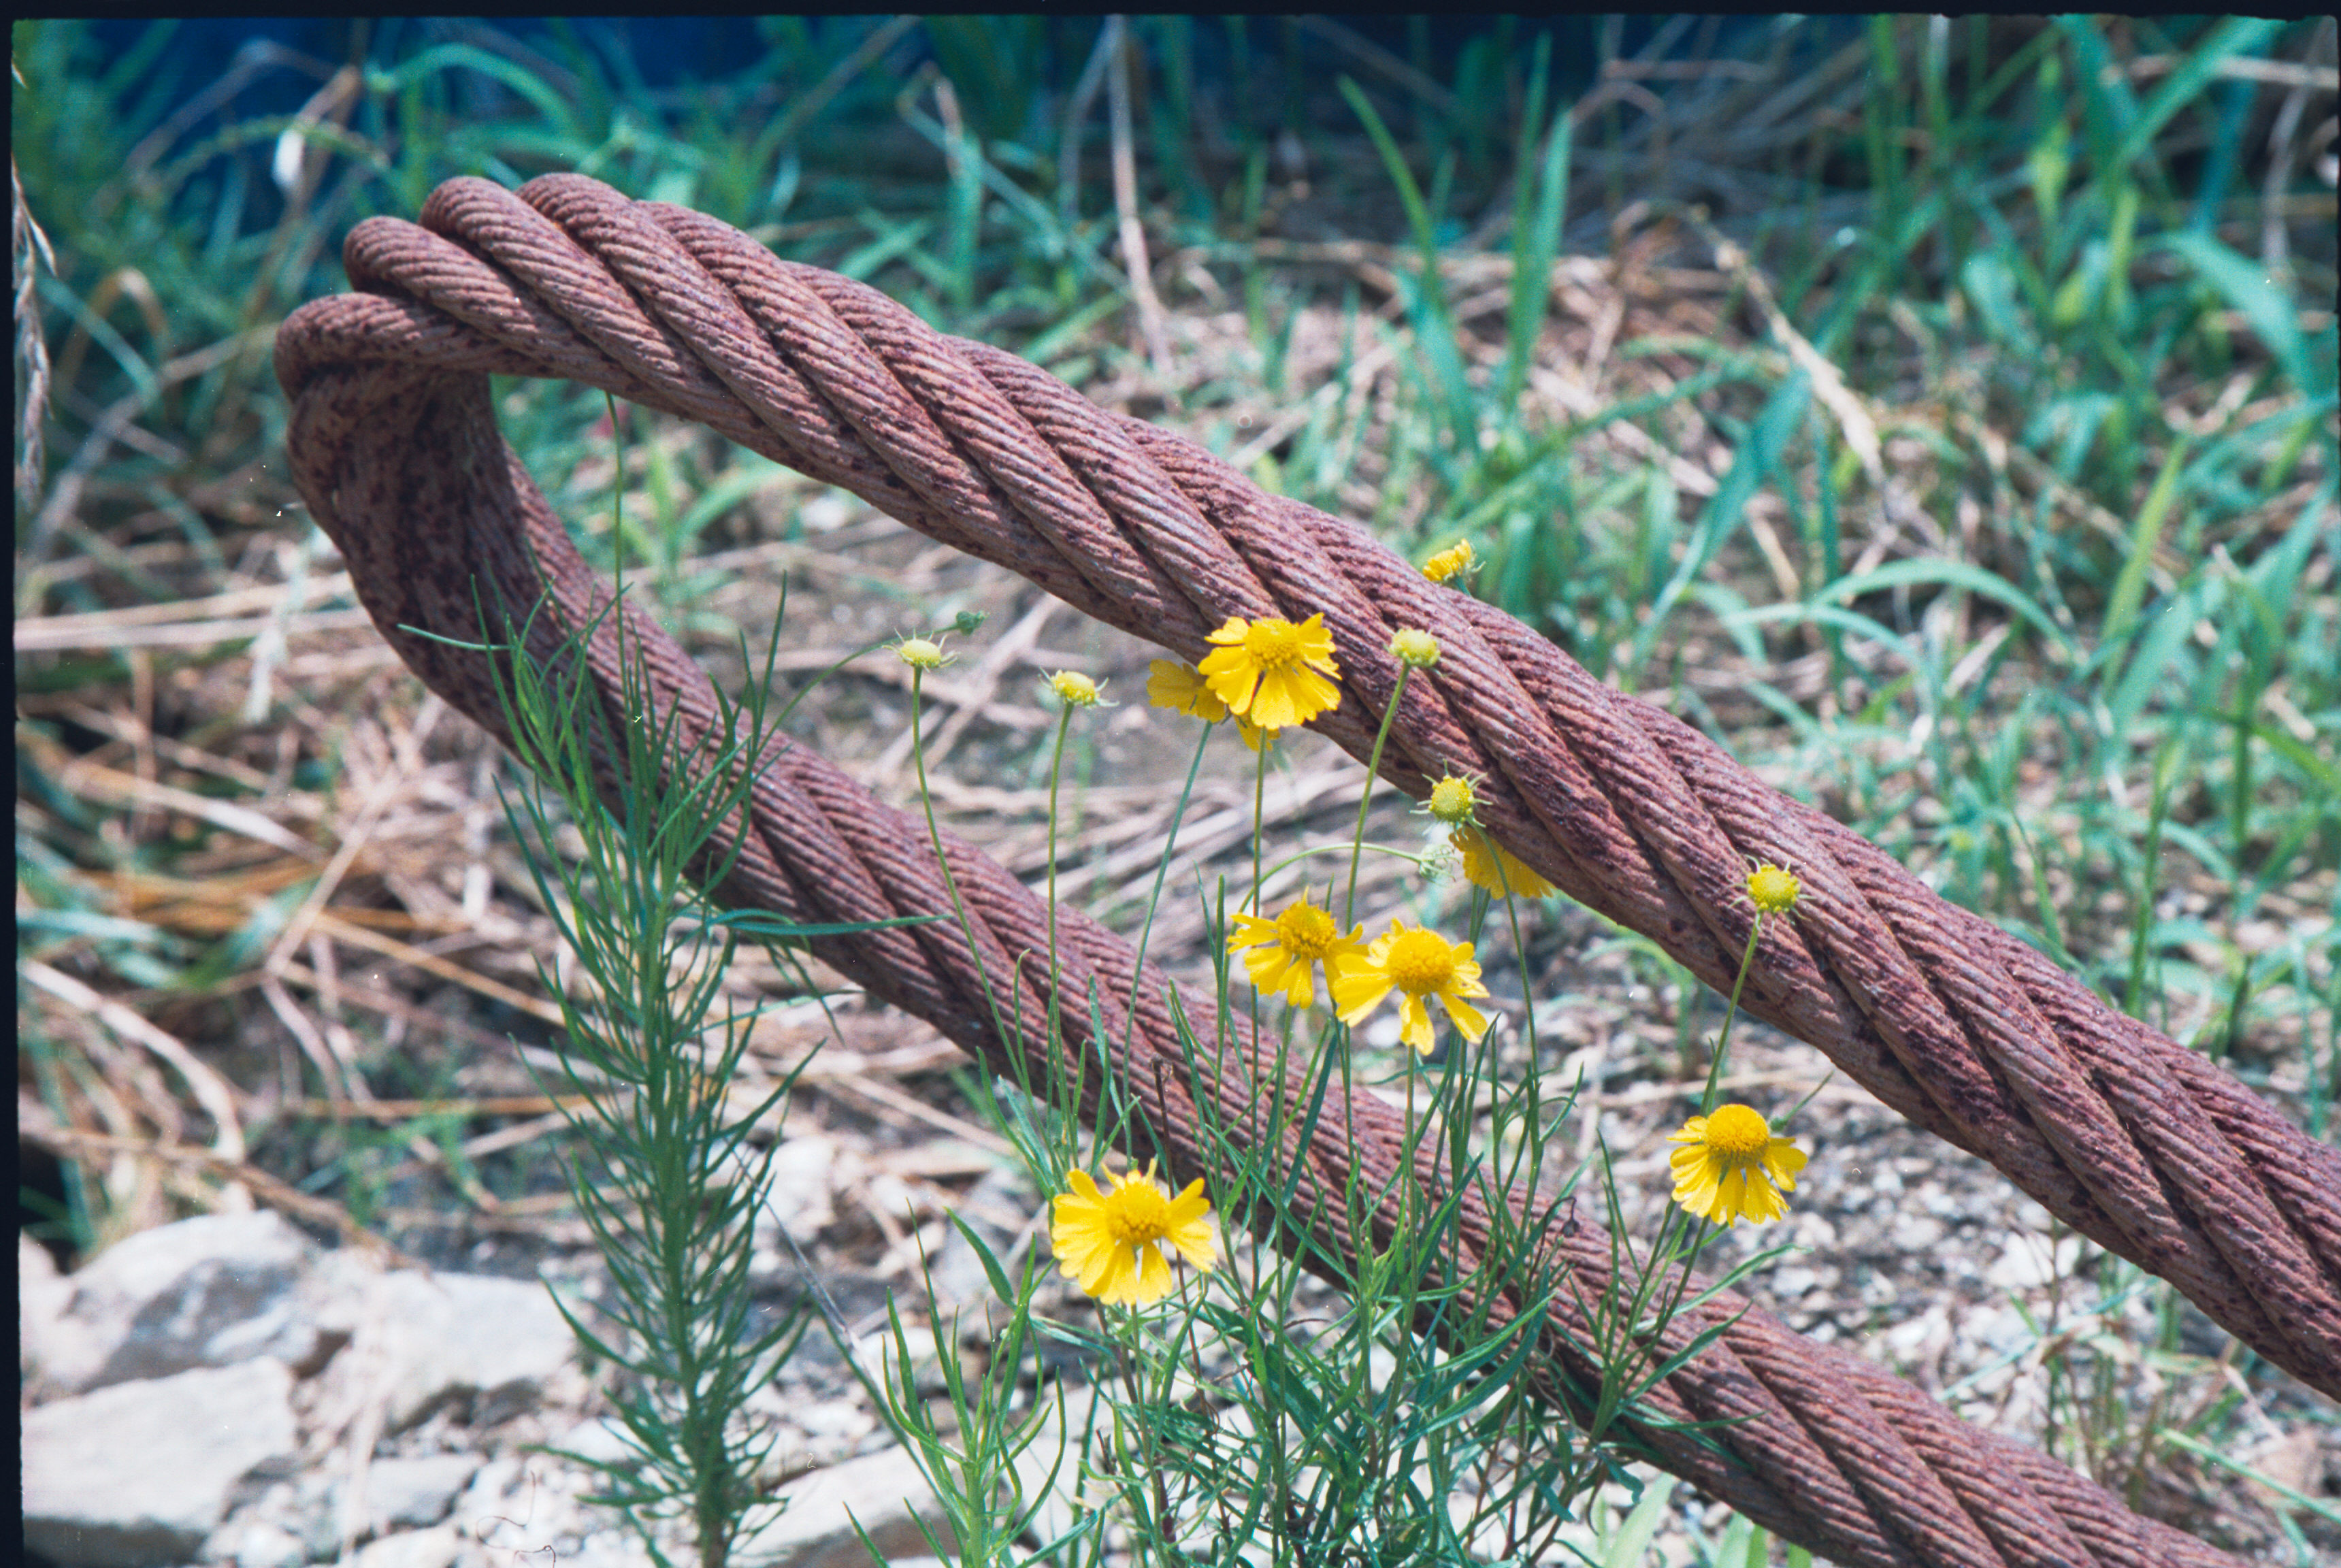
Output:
(1737, 1132)
(1419, 963)
(1275, 643)
(1137, 1212)
(920, 653)
(1773, 889)
(1451, 799)
(1306, 931)
(1074, 690)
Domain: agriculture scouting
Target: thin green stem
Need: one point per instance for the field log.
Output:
(1259, 815)
(1365, 797)
(1707, 1108)
(1730, 1012)
(1162, 870)
(935, 836)
(1056, 990)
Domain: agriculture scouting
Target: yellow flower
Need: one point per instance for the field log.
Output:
(1284, 951)
(1773, 889)
(1452, 800)
(1416, 649)
(1075, 691)
(1452, 561)
(1181, 689)
(922, 653)
(1273, 671)
(1732, 1167)
(1518, 877)
(1416, 963)
(1109, 1240)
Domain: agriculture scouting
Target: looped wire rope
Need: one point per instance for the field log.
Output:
(2139, 1144)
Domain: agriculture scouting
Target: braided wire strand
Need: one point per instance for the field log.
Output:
(1641, 818)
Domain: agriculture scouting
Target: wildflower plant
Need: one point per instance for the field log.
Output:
(666, 1179)
(1223, 1427)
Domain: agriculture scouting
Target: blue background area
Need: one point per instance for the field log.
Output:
(670, 51)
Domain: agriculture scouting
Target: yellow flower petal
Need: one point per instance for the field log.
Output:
(1414, 1024)
(1359, 992)
(1181, 688)
(1480, 867)
(1468, 1018)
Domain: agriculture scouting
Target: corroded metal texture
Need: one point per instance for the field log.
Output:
(2133, 1140)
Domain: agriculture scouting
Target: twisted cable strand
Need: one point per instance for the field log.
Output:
(395, 445)
(1811, 1448)
(1624, 807)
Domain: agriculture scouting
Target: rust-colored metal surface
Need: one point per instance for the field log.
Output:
(2134, 1141)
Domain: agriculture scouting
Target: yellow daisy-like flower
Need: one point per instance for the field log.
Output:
(1284, 952)
(1732, 1167)
(1773, 889)
(1108, 1240)
(922, 653)
(1418, 964)
(1451, 562)
(1452, 800)
(1181, 689)
(1073, 690)
(1481, 856)
(1273, 671)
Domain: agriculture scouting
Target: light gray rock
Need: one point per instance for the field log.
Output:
(595, 1438)
(135, 1475)
(433, 1548)
(519, 1504)
(808, 1170)
(408, 1493)
(449, 1336)
(996, 1208)
(45, 1336)
(256, 1543)
(884, 1492)
(212, 1291)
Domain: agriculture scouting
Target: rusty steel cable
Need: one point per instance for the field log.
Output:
(2134, 1141)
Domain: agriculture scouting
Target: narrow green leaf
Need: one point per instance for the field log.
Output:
(2145, 533)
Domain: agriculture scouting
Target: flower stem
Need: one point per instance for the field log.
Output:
(935, 838)
(1365, 797)
(1170, 843)
(1730, 1012)
(1056, 990)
